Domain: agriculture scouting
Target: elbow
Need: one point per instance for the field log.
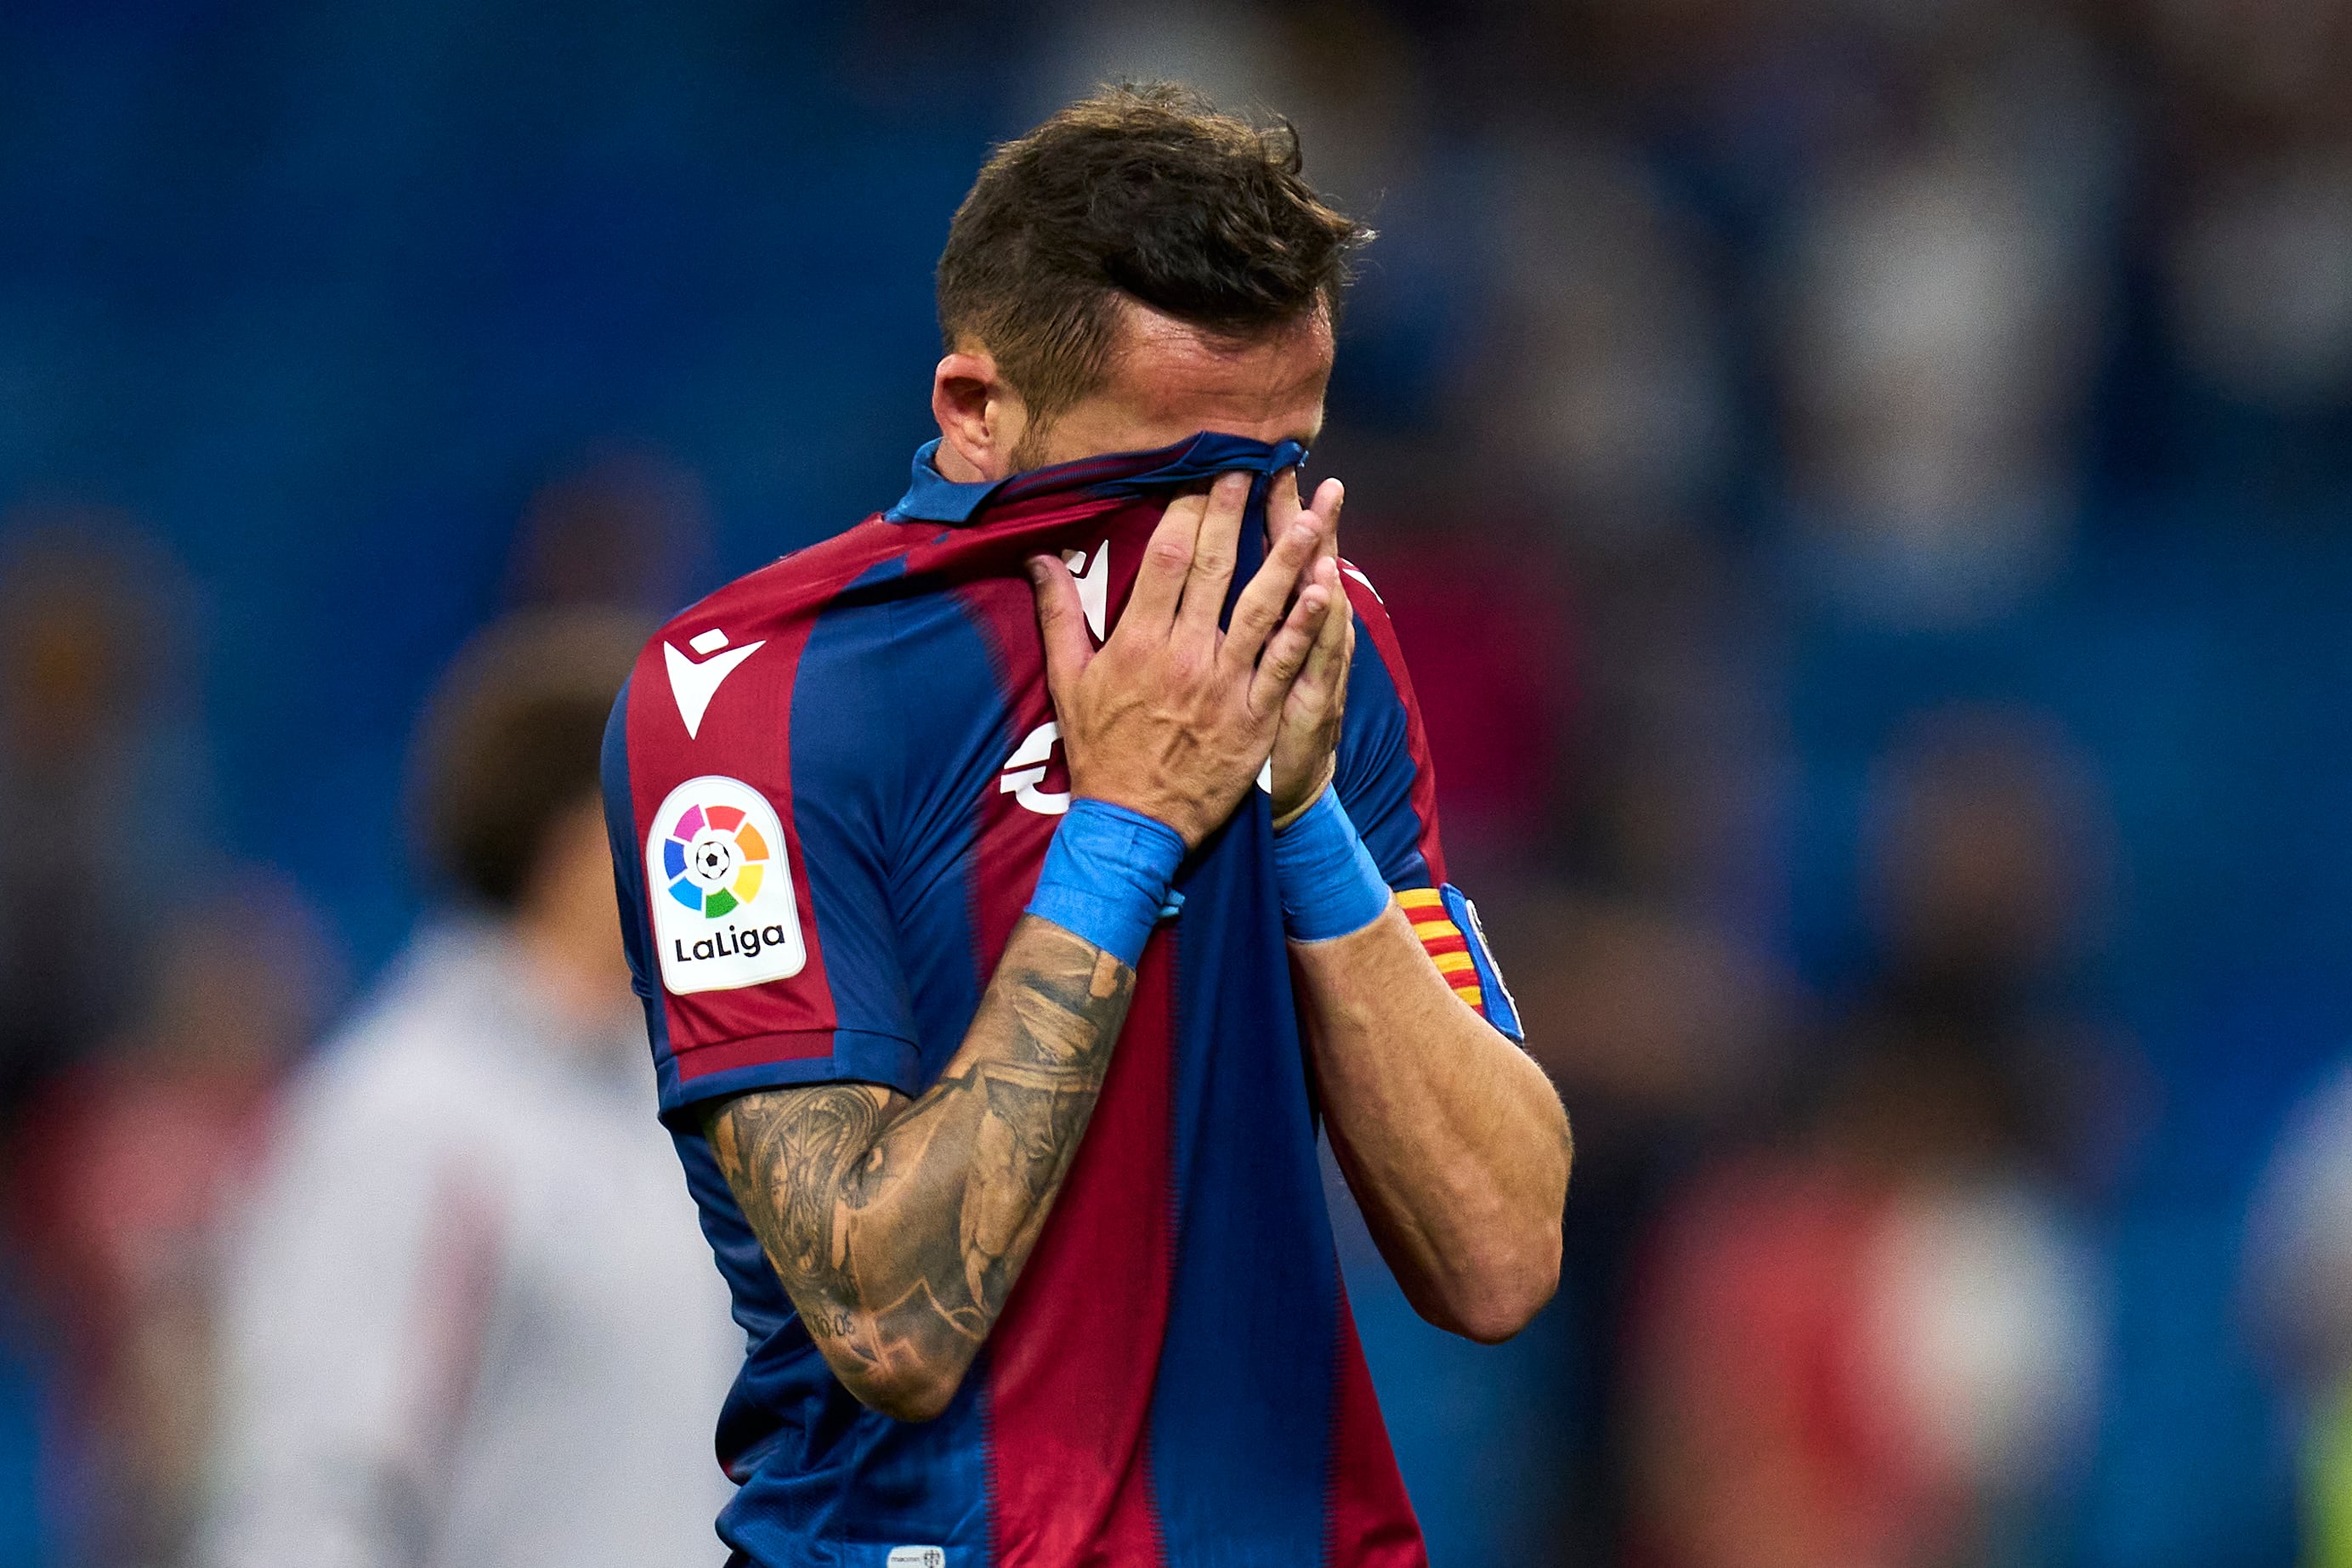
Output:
(1504, 1318)
(912, 1394)
(1505, 1293)
(1491, 1296)
(1505, 1268)
(1503, 1287)
(916, 1398)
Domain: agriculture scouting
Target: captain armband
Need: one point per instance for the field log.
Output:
(1447, 924)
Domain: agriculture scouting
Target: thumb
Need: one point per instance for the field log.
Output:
(1061, 624)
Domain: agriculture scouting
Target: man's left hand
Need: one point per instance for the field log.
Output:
(1306, 743)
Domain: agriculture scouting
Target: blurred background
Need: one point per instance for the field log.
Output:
(1866, 487)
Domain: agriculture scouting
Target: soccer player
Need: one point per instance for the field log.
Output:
(1018, 880)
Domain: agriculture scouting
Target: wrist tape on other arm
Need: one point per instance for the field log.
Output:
(1328, 882)
(1107, 877)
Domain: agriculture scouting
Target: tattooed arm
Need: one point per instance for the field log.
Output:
(899, 1226)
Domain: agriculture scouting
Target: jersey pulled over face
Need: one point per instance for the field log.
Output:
(831, 787)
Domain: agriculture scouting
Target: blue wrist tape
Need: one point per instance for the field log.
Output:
(1107, 877)
(1328, 882)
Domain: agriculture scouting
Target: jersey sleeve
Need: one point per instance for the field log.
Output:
(751, 852)
(1389, 786)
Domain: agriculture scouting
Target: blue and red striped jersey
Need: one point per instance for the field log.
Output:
(830, 787)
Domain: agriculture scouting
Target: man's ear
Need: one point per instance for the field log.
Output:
(981, 419)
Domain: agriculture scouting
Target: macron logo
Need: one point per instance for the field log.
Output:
(693, 684)
(1094, 584)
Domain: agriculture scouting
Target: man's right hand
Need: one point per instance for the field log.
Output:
(1173, 717)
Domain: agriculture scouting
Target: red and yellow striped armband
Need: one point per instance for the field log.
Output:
(1447, 925)
(1447, 947)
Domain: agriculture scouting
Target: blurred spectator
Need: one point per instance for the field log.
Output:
(1987, 883)
(629, 530)
(2258, 256)
(127, 1170)
(1875, 1348)
(97, 749)
(473, 1321)
(2260, 273)
(1877, 1342)
(1596, 387)
(1940, 343)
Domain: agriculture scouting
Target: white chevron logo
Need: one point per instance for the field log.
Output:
(1094, 584)
(695, 684)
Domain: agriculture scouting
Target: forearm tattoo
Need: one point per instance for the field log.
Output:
(899, 1236)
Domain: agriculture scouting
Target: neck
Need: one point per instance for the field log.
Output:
(955, 467)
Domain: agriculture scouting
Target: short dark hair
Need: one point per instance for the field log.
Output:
(512, 739)
(1143, 190)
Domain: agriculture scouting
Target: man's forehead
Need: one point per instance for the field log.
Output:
(1164, 364)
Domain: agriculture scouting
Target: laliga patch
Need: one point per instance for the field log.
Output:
(724, 915)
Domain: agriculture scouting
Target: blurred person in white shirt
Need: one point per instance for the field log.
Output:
(473, 1321)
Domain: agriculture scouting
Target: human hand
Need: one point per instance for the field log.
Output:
(1173, 717)
(1306, 741)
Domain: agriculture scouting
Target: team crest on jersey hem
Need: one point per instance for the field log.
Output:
(722, 889)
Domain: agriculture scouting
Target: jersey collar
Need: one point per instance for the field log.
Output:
(933, 498)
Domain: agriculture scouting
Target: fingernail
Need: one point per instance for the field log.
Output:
(1038, 569)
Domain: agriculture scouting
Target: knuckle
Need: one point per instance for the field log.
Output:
(1169, 554)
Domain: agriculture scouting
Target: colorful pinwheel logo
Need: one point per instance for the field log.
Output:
(714, 859)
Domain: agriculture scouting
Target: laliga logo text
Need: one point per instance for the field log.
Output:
(734, 941)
